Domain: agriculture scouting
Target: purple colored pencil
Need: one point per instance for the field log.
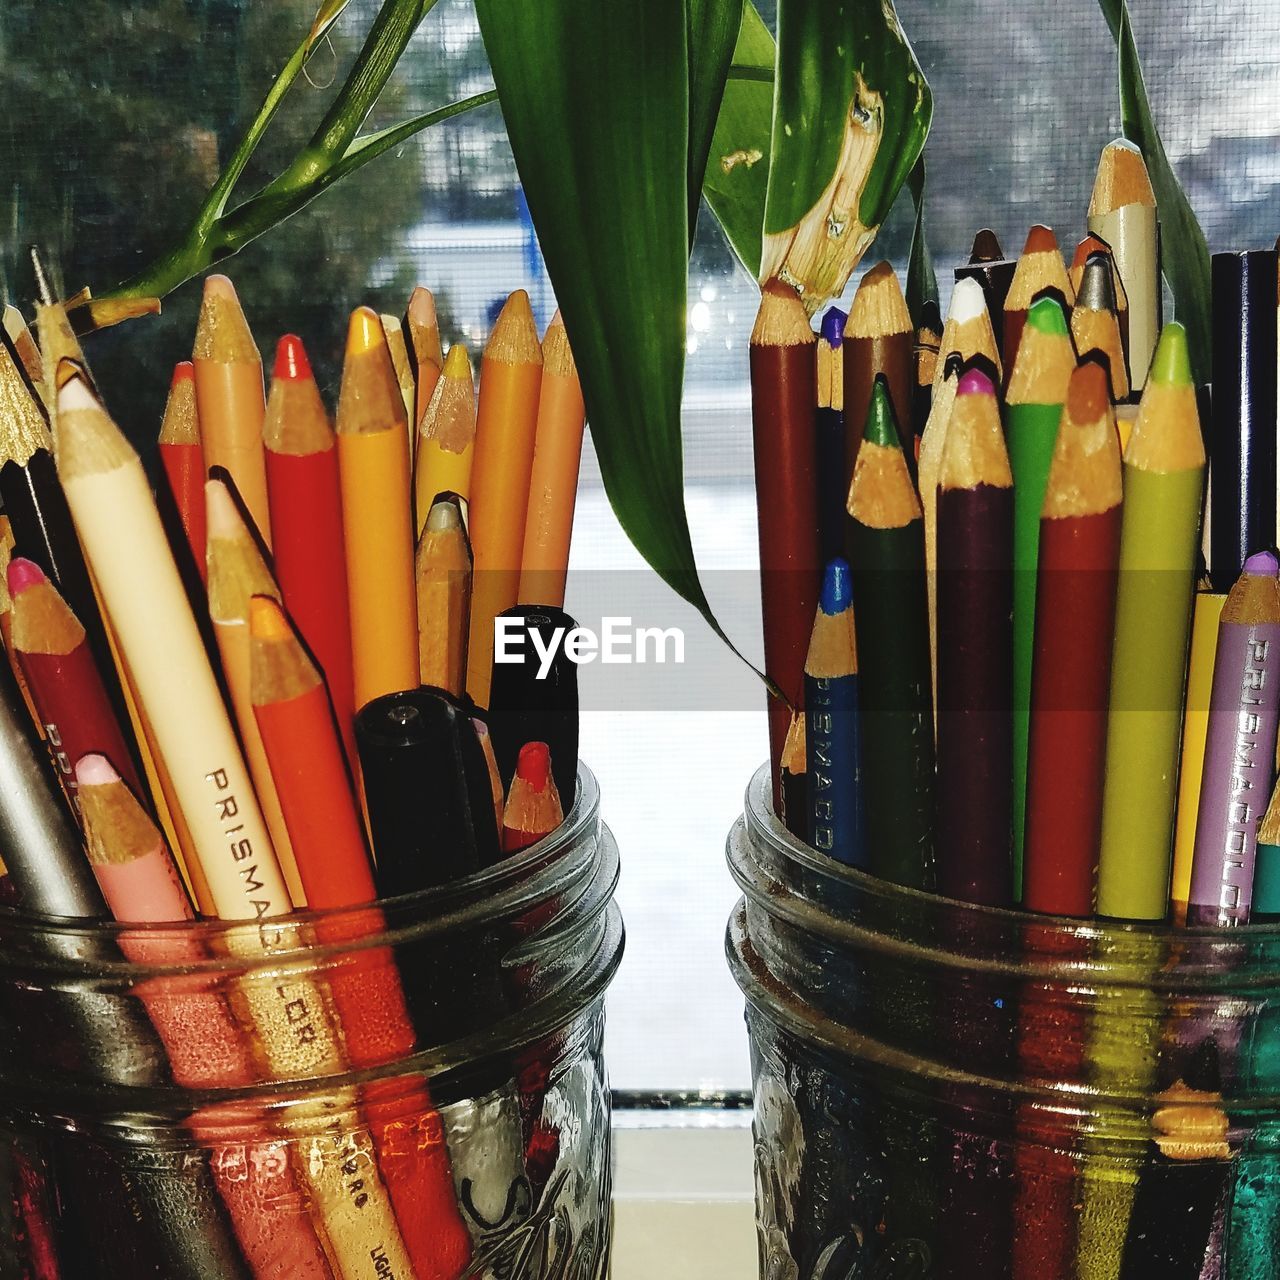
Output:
(1240, 751)
(833, 473)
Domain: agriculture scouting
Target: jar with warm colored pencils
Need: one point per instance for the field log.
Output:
(1011, 879)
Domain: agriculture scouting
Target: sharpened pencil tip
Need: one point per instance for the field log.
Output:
(1262, 564)
(974, 382)
(445, 513)
(1040, 239)
(837, 587)
(1046, 315)
(95, 771)
(1088, 393)
(833, 326)
(291, 360)
(1171, 365)
(533, 765)
(220, 287)
(422, 308)
(23, 573)
(968, 301)
(986, 247)
(74, 395)
(220, 509)
(1096, 292)
(882, 426)
(267, 620)
(1090, 245)
(457, 364)
(364, 332)
(183, 371)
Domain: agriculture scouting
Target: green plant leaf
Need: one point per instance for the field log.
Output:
(922, 279)
(713, 31)
(1186, 252)
(737, 171)
(596, 102)
(851, 113)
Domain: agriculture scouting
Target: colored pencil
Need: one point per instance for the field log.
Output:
(783, 394)
(1243, 439)
(533, 705)
(879, 340)
(183, 459)
(1085, 249)
(422, 332)
(398, 350)
(1205, 616)
(58, 342)
(49, 643)
(443, 569)
(975, 645)
(896, 695)
(1164, 469)
(989, 267)
(205, 1046)
(491, 763)
(1071, 660)
(6, 623)
(553, 481)
(1041, 269)
(833, 472)
(506, 429)
(795, 775)
(1266, 873)
(24, 345)
(932, 445)
(377, 524)
(238, 572)
(968, 332)
(1122, 212)
(306, 525)
(1095, 326)
(533, 809)
(1240, 747)
(310, 771)
(229, 397)
(421, 756)
(928, 340)
(832, 733)
(1035, 396)
(446, 436)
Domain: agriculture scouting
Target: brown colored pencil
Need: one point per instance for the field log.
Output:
(230, 397)
(1071, 663)
(990, 268)
(784, 379)
(878, 339)
(443, 569)
(1040, 268)
(1095, 325)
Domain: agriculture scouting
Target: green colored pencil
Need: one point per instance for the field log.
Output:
(1037, 390)
(886, 542)
(1164, 468)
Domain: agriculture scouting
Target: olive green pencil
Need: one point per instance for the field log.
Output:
(886, 543)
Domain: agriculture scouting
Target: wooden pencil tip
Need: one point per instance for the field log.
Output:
(457, 364)
(1088, 393)
(1262, 564)
(422, 309)
(267, 619)
(365, 332)
(986, 247)
(881, 427)
(781, 320)
(220, 288)
(183, 371)
(1097, 291)
(1087, 247)
(222, 331)
(517, 310)
(837, 587)
(968, 302)
(833, 326)
(96, 771)
(1040, 239)
(533, 765)
(975, 382)
(291, 363)
(1047, 316)
(1171, 364)
(23, 573)
(445, 514)
(221, 513)
(74, 394)
(1122, 179)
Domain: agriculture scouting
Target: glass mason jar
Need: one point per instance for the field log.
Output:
(413, 1090)
(953, 1091)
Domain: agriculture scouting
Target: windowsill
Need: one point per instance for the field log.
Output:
(683, 1196)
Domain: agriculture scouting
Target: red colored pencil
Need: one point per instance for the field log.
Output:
(533, 810)
(183, 457)
(302, 745)
(63, 678)
(306, 526)
(1071, 654)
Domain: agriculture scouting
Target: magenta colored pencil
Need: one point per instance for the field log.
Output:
(1240, 752)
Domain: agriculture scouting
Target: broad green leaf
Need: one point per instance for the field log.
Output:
(1185, 251)
(606, 177)
(922, 280)
(851, 113)
(737, 172)
(713, 29)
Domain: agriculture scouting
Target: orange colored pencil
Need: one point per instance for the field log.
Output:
(296, 723)
(553, 484)
(373, 467)
(306, 525)
(422, 328)
(533, 810)
(506, 427)
(183, 457)
(228, 375)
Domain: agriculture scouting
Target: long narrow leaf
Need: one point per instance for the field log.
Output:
(922, 279)
(596, 102)
(851, 113)
(713, 31)
(1185, 250)
(737, 172)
